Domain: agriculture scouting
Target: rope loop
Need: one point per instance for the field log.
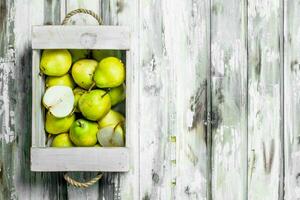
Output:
(84, 11)
(82, 185)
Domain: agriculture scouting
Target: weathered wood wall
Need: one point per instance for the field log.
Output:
(216, 98)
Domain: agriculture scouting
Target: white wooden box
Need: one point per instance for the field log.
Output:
(43, 158)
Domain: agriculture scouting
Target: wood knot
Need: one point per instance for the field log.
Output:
(88, 40)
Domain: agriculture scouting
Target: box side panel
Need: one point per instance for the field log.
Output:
(38, 131)
(80, 37)
(80, 159)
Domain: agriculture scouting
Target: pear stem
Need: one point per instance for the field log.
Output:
(105, 93)
(93, 84)
(119, 123)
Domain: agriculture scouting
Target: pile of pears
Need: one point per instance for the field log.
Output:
(84, 97)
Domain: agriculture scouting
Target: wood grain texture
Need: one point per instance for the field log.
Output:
(291, 99)
(157, 76)
(229, 99)
(185, 62)
(7, 101)
(264, 96)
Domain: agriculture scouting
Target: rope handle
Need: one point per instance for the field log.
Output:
(84, 11)
(82, 185)
(70, 180)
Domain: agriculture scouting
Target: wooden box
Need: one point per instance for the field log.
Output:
(43, 158)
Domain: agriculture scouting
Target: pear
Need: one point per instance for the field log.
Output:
(117, 94)
(94, 104)
(83, 133)
(65, 80)
(55, 62)
(83, 71)
(112, 118)
(54, 125)
(78, 54)
(59, 100)
(100, 54)
(111, 136)
(109, 73)
(62, 140)
(78, 92)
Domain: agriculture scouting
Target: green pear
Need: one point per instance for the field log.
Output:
(78, 92)
(111, 136)
(78, 54)
(62, 140)
(83, 133)
(109, 73)
(55, 125)
(65, 80)
(94, 104)
(112, 118)
(55, 62)
(117, 94)
(101, 54)
(83, 72)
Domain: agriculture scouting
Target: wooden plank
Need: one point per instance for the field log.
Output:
(229, 99)
(80, 159)
(186, 49)
(291, 99)
(7, 103)
(80, 37)
(157, 109)
(264, 107)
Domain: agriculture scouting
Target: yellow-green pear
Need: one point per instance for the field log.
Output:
(94, 104)
(83, 72)
(112, 118)
(62, 140)
(117, 94)
(83, 133)
(111, 136)
(100, 54)
(65, 80)
(78, 92)
(55, 125)
(78, 54)
(109, 73)
(55, 62)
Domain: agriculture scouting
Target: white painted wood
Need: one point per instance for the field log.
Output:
(38, 112)
(291, 99)
(229, 99)
(264, 107)
(156, 100)
(186, 56)
(114, 159)
(80, 37)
